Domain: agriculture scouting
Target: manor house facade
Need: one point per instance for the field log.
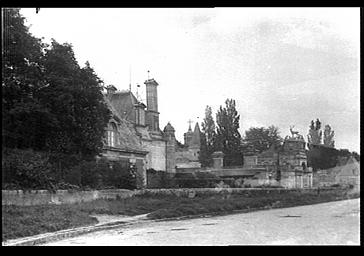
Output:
(133, 135)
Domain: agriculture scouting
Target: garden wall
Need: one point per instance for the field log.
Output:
(192, 192)
(39, 197)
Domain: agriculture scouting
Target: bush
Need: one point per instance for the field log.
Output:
(27, 169)
(103, 174)
(160, 179)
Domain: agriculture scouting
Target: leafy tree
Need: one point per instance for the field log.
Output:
(315, 133)
(25, 120)
(356, 156)
(321, 157)
(208, 138)
(74, 96)
(228, 138)
(329, 137)
(259, 139)
(49, 102)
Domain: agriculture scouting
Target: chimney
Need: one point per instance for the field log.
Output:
(110, 89)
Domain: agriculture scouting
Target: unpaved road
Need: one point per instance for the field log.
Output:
(328, 223)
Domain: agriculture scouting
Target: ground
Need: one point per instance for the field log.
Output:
(320, 224)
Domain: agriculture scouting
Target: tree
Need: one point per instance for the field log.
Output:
(259, 139)
(356, 156)
(208, 138)
(49, 102)
(74, 95)
(315, 133)
(25, 120)
(329, 137)
(320, 157)
(228, 138)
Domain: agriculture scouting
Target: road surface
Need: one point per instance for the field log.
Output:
(334, 223)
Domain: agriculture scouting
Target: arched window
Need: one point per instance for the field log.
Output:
(111, 134)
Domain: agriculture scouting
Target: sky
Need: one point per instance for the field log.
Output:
(282, 66)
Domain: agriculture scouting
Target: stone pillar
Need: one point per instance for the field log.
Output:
(218, 159)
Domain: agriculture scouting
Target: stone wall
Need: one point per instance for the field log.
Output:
(192, 192)
(41, 197)
(156, 158)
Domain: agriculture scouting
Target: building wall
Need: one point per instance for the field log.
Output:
(171, 154)
(185, 156)
(156, 158)
(250, 160)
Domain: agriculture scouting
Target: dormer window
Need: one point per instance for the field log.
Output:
(111, 135)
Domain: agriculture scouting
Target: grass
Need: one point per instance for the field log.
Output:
(21, 221)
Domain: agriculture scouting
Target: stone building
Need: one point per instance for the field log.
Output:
(133, 135)
(345, 173)
(187, 155)
(286, 164)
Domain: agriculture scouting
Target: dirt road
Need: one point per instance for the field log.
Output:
(327, 223)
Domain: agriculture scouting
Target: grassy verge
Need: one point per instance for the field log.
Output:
(31, 220)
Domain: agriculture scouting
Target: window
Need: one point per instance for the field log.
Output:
(111, 135)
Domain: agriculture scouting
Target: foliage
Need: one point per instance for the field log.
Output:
(22, 221)
(102, 174)
(315, 133)
(25, 120)
(74, 96)
(329, 137)
(26, 169)
(259, 139)
(49, 103)
(228, 138)
(160, 179)
(208, 138)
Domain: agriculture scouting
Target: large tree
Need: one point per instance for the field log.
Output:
(25, 121)
(259, 139)
(74, 96)
(49, 102)
(329, 137)
(208, 138)
(315, 134)
(228, 138)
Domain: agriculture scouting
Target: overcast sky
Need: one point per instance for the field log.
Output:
(283, 66)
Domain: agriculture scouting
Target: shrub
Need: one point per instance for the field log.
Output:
(103, 174)
(27, 169)
(160, 179)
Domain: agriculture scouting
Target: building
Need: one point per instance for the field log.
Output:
(286, 164)
(133, 135)
(345, 173)
(187, 155)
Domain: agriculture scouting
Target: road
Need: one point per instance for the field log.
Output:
(333, 223)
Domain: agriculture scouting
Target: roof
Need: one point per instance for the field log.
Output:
(151, 81)
(123, 102)
(168, 128)
(196, 136)
(128, 138)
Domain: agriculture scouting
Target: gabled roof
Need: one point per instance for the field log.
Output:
(127, 136)
(123, 102)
